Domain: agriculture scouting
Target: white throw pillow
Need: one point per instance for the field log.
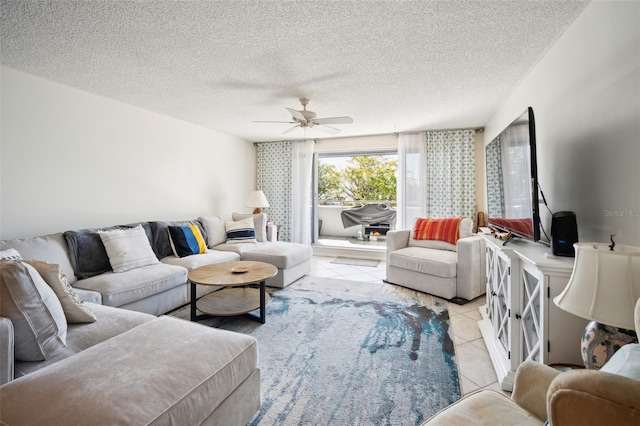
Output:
(74, 308)
(128, 248)
(39, 324)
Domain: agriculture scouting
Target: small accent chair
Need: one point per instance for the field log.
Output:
(450, 271)
(610, 396)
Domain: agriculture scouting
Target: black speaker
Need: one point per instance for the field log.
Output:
(564, 233)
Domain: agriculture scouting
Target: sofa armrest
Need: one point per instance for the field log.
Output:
(6, 351)
(530, 387)
(582, 397)
(397, 239)
(471, 274)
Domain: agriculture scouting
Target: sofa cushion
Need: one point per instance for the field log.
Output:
(75, 310)
(135, 284)
(197, 260)
(40, 328)
(160, 240)
(241, 231)
(87, 252)
(481, 408)
(214, 227)
(441, 263)
(128, 248)
(237, 248)
(466, 230)
(259, 222)
(111, 322)
(186, 240)
(165, 371)
(50, 248)
(280, 254)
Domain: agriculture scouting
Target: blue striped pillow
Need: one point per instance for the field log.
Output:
(241, 231)
(186, 240)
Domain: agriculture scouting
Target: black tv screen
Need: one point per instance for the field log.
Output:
(512, 181)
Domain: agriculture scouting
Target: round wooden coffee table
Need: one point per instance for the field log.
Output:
(236, 298)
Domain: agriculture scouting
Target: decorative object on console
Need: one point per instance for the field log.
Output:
(604, 288)
(258, 200)
(564, 233)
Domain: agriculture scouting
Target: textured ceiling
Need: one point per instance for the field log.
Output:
(391, 65)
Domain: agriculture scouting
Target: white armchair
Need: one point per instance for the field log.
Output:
(445, 270)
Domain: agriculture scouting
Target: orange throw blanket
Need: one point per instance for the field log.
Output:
(438, 229)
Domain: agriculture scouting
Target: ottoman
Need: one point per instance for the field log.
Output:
(292, 260)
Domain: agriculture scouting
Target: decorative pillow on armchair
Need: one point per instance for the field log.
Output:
(433, 233)
(241, 231)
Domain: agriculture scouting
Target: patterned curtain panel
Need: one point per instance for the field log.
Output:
(495, 196)
(451, 174)
(274, 179)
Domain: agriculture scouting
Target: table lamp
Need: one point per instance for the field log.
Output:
(258, 200)
(603, 288)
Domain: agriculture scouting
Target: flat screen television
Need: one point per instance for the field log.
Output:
(512, 179)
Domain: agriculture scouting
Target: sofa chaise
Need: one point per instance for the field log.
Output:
(64, 361)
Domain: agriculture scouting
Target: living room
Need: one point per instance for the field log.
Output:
(89, 154)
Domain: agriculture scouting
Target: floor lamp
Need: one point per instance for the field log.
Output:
(603, 288)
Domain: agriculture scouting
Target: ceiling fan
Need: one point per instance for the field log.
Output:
(306, 118)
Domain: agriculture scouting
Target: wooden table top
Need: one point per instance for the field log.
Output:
(221, 274)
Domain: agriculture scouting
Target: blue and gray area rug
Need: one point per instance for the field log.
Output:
(336, 352)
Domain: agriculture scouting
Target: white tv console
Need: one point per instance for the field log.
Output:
(520, 320)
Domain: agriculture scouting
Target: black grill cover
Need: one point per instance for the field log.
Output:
(369, 213)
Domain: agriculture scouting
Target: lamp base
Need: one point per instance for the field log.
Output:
(600, 342)
(257, 210)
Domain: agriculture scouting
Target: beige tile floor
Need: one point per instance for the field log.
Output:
(474, 365)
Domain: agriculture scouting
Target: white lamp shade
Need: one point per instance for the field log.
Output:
(257, 199)
(604, 285)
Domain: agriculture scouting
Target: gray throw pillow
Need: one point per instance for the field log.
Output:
(39, 324)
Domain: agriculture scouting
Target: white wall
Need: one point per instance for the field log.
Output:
(585, 94)
(70, 159)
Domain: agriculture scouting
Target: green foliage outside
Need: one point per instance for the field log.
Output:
(366, 178)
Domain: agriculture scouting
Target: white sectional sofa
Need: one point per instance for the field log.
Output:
(161, 287)
(129, 366)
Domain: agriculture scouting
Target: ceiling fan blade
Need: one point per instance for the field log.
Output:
(260, 121)
(334, 120)
(328, 129)
(296, 114)
(290, 130)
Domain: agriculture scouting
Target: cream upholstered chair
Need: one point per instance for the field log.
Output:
(610, 396)
(450, 271)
